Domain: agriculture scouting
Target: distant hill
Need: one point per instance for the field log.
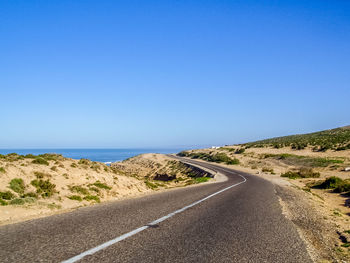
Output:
(335, 139)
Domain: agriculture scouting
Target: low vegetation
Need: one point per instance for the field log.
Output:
(216, 157)
(336, 139)
(44, 187)
(17, 185)
(101, 185)
(301, 173)
(299, 160)
(75, 197)
(337, 184)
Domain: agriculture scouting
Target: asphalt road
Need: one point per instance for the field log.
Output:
(244, 223)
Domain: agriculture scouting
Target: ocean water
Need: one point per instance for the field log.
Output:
(97, 155)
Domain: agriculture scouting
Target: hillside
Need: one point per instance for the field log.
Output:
(32, 186)
(316, 165)
(335, 139)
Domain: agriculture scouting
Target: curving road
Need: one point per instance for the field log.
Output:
(239, 220)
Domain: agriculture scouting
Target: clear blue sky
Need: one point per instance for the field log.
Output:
(170, 73)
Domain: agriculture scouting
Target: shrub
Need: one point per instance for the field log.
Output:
(151, 185)
(41, 175)
(7, 195)
(201, 179)
(75, 197)
(79, 189)
(74, 165)
(2, 170)
(30, 156)
(240, 151)
(329, 183)
(44, 187)
(267, 170)
(101, 185)
(50, 156)
(17, 185)
(30, 194)
(17, 201)
(337, 184)
(3, 202)
(92, 198)
(84, 161)
(40, 160)
(54, 168)
(302, 173)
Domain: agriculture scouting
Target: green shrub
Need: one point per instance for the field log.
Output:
(41, 175)
(74, 165)
(51, 156)
(17, 201)
(267, 170)
(54, 168)
(17, 185)
(151, 185)
(84, 161)
(3, 202)
(95, 189)
(75, 197)
(240, 151)
(302, 173)
(2, 170)
(30, 156)
(29, 199)
(92, 198)
(30, 194)
(7, 195)
(201, 179)
(44, 187)
(79, 189)
(40, 160)
(101, 185)
(337, 184)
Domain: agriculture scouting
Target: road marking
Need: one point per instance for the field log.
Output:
(155, 222)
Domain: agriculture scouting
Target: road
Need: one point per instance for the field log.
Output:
(239, 220)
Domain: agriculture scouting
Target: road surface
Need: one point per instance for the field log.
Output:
(239, 220)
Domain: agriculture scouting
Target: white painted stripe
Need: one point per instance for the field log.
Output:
(155, 222)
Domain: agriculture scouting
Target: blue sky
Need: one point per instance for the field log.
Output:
(170, 73)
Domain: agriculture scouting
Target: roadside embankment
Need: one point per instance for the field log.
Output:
(36, 186)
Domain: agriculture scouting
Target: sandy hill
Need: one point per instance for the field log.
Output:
(32, 186)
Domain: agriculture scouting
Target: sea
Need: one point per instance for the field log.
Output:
(106, 156)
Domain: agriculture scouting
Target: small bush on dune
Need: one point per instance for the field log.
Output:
(7, 195)
(3, 202)
(101, 185)
(92, 198)
(44, 187)
(41, 175)
(240, 151)
(30, 156)
(40, 160)
(2, 170)
(79, 189)
(337, 184)
(30, 194)
(17, 185)
(84, 161)
(17, 201)
(302, 173)
(75, 197)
